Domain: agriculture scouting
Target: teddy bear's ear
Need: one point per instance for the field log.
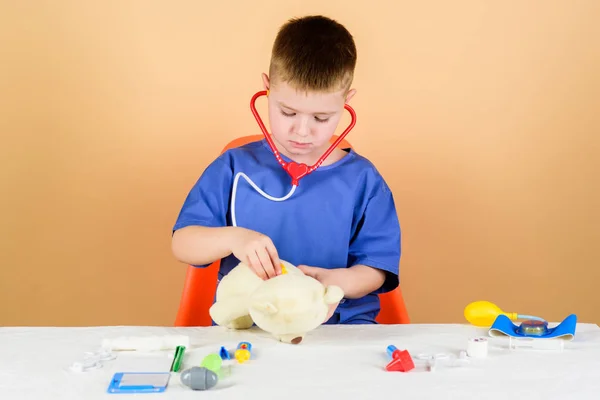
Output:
(265, 307)
(333, 294)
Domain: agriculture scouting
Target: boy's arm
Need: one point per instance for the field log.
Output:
(356, 281)
(201, 245)
(200, 234)
(374, 254)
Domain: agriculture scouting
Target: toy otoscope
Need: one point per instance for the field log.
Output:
(295, 170)
(484, 313)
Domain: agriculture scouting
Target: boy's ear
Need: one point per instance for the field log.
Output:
(350, 95)
(266, 82)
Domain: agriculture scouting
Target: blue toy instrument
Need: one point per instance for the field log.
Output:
(503, 326)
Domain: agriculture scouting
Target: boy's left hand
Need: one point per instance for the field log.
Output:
(356, 281)
(326, 277)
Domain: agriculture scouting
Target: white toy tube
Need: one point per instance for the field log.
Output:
(261, 192)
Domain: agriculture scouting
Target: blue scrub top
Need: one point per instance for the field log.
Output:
(340, 215)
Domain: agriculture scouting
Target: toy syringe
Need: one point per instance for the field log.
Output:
(536, 343)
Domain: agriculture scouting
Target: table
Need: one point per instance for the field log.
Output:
(335, 362)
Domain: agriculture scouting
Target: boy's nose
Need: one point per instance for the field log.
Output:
(302, 128)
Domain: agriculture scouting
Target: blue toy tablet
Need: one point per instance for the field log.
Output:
(139, 382)
(503, 326)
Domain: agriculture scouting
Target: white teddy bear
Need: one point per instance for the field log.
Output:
(288, 306)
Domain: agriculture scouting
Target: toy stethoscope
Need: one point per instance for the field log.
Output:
(294, 169)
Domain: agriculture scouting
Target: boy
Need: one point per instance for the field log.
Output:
(340, 225)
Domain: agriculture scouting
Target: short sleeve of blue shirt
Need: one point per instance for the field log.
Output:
(377, 239)
(207, 203)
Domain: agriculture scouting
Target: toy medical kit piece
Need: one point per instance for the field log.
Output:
(297, 171)
(462, 359)
(437, 356)
(224, 353)
(401, 360)
(505, 327)
(533, 335)
(431, 364)
(139, 382)
(533, 328)
(199, 378)
(484, 313)
(178, 358)
(146, 343)
(432, 360)
(92, 360)
(212, 362)
(531, 343)
(243, 352)
(84, 366)
(477, 347)
(101, 355)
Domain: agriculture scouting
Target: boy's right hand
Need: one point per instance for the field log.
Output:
(257, 251)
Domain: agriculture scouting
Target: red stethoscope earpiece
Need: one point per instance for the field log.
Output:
(296, 170)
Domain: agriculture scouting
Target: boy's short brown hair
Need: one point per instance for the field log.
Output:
(313, 53)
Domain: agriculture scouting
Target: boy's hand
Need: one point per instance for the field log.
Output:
(257, 251)
(332, 308)
(356, 281)
(326, 277)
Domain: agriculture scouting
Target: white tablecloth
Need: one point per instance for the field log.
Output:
(336, 362)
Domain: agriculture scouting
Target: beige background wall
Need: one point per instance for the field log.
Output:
(483, 116)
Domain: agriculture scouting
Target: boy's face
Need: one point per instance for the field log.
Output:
(302, 124)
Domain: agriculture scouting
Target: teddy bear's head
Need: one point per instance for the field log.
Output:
(290, 305)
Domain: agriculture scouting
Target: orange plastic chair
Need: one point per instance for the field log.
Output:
(201, 283)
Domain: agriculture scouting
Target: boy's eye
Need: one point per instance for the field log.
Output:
(291, 114)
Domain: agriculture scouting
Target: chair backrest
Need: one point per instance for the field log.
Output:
(201, 283)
